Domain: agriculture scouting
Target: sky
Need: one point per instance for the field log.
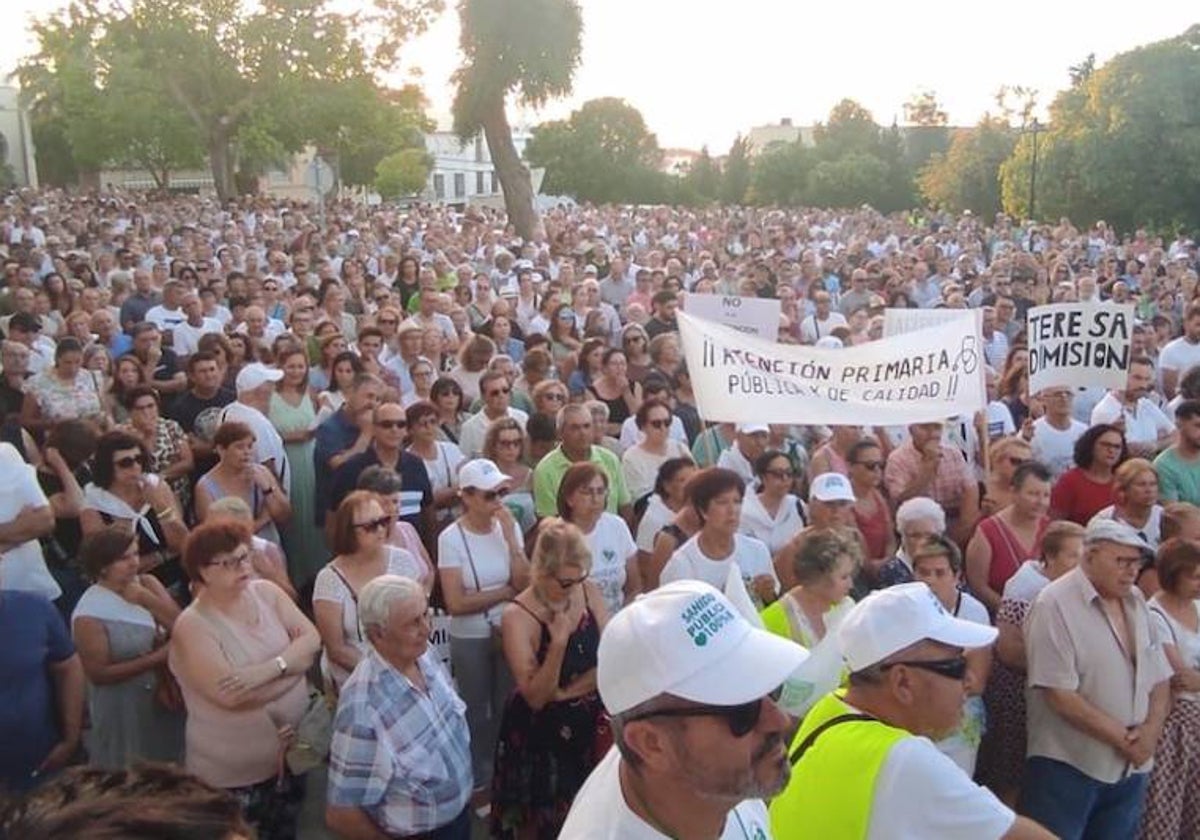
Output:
(701, 71)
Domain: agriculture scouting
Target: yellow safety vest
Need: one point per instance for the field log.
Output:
(833, 783)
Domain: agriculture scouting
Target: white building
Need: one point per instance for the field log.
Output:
(762, 137)
(16, 142)
(463, 173)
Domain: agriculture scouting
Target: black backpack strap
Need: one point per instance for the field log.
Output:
(804, 745)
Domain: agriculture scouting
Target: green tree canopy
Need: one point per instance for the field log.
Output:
(402, 173)
(735, 180)
(967, 176)
(602, 153)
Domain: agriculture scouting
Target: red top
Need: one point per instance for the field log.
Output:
(1078, 498)
(875, 528)
(1007, 551)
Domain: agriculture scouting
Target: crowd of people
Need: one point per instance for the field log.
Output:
(247, 462)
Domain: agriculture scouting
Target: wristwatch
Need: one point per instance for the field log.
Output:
(281, 664)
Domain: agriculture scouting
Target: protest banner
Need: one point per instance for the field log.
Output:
(901, 321)
(1079, 345)
(750, 315)
(918, 377)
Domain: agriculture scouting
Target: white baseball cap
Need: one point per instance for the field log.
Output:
(753, 428)
(686, 639)
(1110, 530)
(889, 620)
(255, 374)
(481, 474)
(831, 487)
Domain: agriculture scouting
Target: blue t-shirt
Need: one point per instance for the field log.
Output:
(335, 434)
(35, 637)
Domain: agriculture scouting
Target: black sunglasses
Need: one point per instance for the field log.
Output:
(954, 668)
(374, 524)
(129, 460)
(741, 718)
(492, 495)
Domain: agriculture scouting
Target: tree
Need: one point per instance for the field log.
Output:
(1123, 145)
(602, 153)
(395, 120)
(703, 179)
(735, 183)
(967, 176)
(927, 133)
(403, 173)
(851, 180)
(527, 47)
(850, 128)
(780, 174)
(923, 109)
(217, 67)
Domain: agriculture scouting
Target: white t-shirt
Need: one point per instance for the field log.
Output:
(775, 530)
(1144, 426)
(920, 793)
(1171, 632)
(22, 568)
(812, 329)
(1151, 532)
(484, 563)
(1056, 447)
(329, 587)
(443, 470)
(165, 319)
(611, 546)
(1179, 355)
(185, 339)
(733, 459)
(268, 445)
(641, 467)
(474, 430)
(600, 812)
(656, 517)
(690, 563)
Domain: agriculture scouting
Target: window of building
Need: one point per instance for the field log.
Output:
(479, 190)
(460, 184)
(495, 183)
(439, 186)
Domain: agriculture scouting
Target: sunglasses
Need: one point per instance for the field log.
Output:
(741, 719)
(510, 442)
(129, 460)
(499, 392)
(492, 495)
(954, 668)
(567, 583)
(374, 525)
(391, 424)
(659, 424)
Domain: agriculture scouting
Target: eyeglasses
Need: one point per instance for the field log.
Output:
(233, 562)
(954, 668)
(129, 461)
(374, 524)
(510, 442)
(391, 424)
(870, 465)
(659, 424)
(555, 396)
(594, 492)
(567, 583)
(741, 719)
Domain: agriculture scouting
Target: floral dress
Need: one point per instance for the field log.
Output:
(169, 438)
(58, 400)
(544, 756)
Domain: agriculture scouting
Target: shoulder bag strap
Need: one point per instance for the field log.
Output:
(1170, 624)
(470, 560)
(807, 743)
(353, 595)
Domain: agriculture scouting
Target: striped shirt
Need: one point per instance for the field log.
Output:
(401, 755)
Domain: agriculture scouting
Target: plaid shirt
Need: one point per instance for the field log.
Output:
(402, 756)
(951, 480)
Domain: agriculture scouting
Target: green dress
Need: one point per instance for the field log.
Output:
(303, 542)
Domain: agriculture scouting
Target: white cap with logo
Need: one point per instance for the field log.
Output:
(687, 640)
(888, 621)
(481, 474)
(255, 374)
(831, 487)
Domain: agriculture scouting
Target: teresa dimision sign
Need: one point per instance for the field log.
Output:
(1079, 345)
(922, 376)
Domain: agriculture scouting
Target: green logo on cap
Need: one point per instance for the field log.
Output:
(704, 618)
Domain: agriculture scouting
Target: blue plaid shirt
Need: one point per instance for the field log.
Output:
(402, 756)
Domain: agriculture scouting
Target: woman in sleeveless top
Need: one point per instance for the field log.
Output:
(1004, 541)
(240, 652)
(293, 412)
(614, 389)
(553, 730)
(872, 516)
(238, 474)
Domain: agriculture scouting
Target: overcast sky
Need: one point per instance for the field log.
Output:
(701, 71)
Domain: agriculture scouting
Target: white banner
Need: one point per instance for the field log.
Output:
(901, 321)
(918, 377)
(1079, 345)
(750, 315)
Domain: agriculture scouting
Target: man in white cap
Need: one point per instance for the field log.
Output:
(699, 740)
(751, 441)
(830, 503)
(255, 382)
(864, 765)
(1099, 692)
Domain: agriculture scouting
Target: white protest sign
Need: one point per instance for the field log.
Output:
(918, 377)
(1079, 345)
(901, 321)
(750, 315)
